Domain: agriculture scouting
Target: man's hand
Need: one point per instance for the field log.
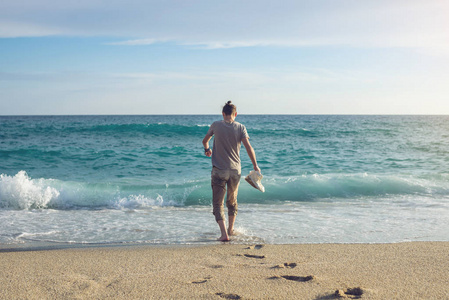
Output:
(206, 140)
(256, 168)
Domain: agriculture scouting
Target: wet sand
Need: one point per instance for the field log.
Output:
(417, 270)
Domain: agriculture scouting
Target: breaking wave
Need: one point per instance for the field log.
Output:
(21, 192)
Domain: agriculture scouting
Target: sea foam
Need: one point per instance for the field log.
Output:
(21, 192)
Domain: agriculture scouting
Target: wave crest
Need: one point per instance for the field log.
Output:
(21, 192)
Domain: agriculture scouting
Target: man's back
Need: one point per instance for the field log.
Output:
(227, 140)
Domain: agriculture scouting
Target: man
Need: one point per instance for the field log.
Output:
(226, 167)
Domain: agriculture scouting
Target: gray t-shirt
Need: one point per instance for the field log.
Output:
(227, 140)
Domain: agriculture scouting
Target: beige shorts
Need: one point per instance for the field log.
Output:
(222, 181)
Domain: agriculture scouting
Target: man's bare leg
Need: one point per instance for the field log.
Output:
(224, 235)
(231, 225)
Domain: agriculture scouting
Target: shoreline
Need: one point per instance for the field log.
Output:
(407, 270)
(49, 246)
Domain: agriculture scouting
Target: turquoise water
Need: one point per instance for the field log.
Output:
(120, 179)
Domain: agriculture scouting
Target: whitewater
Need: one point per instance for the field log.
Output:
(89, 180)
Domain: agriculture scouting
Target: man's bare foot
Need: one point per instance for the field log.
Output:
(223, 238)
(231, 232)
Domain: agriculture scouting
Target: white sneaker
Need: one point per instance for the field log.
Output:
(254, 179)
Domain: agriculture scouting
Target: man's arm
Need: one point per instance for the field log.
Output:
(251, 153)
(206, 145)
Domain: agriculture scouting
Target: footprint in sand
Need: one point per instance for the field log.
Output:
(285, 265)
(199, 281)
(290, 265)
(295, 278)
(217, 266)
(257, 247)
(354, 293)
(299, 278)
(202, 280)
(228, 296)
(254, 256)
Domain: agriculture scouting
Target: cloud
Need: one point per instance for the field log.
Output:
(12, 29)
(136, 42)
(235, 23)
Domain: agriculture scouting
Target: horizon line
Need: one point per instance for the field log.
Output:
(286, 114)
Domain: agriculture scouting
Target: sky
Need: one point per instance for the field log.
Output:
(190, 57)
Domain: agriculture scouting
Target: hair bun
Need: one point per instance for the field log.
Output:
(229, 108)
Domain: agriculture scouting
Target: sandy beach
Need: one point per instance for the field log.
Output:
(416, 270)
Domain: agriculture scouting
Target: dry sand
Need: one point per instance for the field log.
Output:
(418, 270)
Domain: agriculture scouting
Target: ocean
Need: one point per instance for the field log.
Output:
(104, 180)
